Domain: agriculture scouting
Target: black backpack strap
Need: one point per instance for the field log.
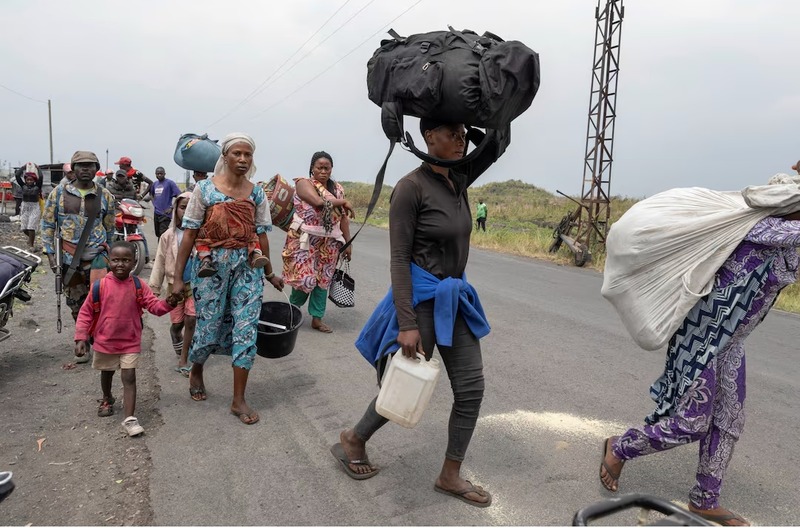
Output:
(392, 122)
(376, 192)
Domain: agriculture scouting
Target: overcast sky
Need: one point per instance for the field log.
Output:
(709, 91)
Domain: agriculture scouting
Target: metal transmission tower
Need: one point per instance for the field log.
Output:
(591, 218)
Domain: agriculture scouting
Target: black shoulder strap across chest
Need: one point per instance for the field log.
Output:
(92, 210)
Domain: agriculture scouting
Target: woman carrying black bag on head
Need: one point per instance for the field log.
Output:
(430, 223)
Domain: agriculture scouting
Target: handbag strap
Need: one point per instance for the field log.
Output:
(92, 210)
(376, 192)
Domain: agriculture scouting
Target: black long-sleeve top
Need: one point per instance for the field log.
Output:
(430, 225)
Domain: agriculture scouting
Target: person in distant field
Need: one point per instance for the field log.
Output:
(136, 175)
(198, 176)
(480, 215)
(121, 187)
(116, 326)
(163, 192)
(65, 209)
(29, 179)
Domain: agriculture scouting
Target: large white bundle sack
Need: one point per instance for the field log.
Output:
(663, 254)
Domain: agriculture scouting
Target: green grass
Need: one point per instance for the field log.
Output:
(521, 220)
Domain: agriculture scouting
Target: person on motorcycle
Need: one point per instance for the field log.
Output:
(135, 174)
(121, 187)
(64, 209)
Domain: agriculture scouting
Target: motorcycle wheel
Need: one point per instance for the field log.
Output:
(139, 257)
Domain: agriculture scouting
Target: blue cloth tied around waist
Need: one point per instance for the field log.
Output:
(451, 296)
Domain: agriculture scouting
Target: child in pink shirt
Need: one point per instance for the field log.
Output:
(115, 324)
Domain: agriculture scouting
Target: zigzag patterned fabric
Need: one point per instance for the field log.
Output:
(707, 328)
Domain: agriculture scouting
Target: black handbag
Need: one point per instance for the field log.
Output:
(342, 291)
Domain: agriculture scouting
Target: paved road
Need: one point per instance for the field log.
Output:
(561, 373)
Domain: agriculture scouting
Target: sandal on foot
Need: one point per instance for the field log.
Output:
(247, 419)
(106, 407)
(338, 452)
(723, 519)
(185, 370)
(604, 466)
(197, 393)
(462, 494)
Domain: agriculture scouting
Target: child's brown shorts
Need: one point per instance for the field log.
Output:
(103, 361)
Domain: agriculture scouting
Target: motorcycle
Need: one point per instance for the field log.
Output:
(16, 268)
(130, 215)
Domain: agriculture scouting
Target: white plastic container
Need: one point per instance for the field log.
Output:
(407, 389)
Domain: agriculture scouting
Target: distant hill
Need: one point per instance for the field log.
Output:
(512, 204)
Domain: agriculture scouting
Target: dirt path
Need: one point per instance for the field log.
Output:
(87, 471)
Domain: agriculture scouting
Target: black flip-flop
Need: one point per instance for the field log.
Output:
(338, 452)
(462, 494)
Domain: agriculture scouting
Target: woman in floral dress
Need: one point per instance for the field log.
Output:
(320, 227)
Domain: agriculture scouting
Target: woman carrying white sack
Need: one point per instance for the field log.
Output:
(700, 396)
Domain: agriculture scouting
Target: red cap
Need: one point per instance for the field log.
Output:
(100, 173)
(124, 160)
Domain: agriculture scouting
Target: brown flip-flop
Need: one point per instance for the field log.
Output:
(605, 466)
(723, 519)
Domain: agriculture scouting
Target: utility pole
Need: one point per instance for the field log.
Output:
(50, 124)
(591, 218)
(106, 160)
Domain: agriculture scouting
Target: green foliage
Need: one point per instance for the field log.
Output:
(521, 220)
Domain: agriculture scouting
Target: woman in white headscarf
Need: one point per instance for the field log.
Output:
(227, 211)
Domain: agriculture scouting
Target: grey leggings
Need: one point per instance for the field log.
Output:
(464, 368)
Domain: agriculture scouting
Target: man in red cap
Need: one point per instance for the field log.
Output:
(138, 178)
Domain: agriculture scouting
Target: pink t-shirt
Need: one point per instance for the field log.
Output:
(119, 323)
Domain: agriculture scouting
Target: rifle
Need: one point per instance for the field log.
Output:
(59, 278)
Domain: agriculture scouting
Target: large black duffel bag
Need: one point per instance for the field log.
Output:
(452, 76)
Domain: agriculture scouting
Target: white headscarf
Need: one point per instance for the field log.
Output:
(227, 142)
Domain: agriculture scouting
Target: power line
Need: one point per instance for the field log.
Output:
(255, 92)
(23, 95)
(317, 46)
(323, 72)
